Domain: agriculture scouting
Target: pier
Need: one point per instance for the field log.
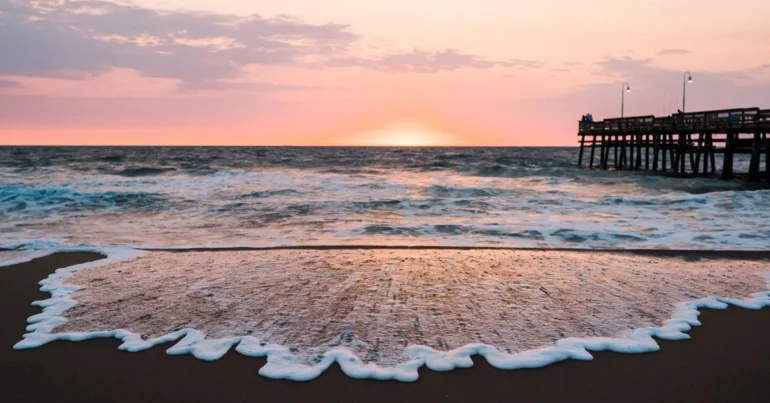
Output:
(682, 144)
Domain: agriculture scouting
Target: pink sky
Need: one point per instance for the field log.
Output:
(375, 72)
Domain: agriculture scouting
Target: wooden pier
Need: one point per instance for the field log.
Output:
(682, 144)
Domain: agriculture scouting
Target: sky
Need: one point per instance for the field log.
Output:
(365, 72)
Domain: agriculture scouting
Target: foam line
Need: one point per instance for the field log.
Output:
(282, 362)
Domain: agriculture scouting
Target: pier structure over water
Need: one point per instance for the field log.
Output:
(682, 144)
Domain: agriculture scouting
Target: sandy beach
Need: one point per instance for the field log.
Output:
(724, 361)
(387, 306)
(384, 201)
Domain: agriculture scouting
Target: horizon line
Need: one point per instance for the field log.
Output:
(285, 146)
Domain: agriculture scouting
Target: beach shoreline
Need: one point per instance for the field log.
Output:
(725, 360)
(687, 254)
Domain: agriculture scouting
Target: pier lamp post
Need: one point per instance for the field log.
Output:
(687, 79)
(625, 88)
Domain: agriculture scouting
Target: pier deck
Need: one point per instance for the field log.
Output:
(683, 144)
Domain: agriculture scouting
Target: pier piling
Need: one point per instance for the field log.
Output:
(679, 143)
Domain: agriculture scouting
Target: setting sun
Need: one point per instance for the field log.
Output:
(403, 134)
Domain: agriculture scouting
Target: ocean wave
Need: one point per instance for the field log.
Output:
(497, 170)
(262, 195)
(377, 205)
(352, 171)
(452, 229)
(497, 235)
(269, 193)
(133, 172)
(524, 234)
(460, 193)
(113, 158)
(200, 171)
(657, 201)
(29, 200)
(390, 230)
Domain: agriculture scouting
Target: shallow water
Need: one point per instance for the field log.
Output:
(379, 301)
(384, 313)
(515, 197)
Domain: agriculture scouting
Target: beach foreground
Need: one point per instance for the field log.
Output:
(382, 313)
(724, 361)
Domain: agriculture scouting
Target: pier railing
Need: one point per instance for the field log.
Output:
(671, 139)
(691, 122)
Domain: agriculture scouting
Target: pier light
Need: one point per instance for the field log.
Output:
(687, 79)
(625, 88)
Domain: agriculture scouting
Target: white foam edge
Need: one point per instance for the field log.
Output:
(282, 362)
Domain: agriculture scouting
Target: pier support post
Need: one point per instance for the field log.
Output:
(755, 156)
(623, 154)
(638, 145)
(691, 152)
(712, 153)
(767, 157)
(672, 140)
(603, 152)
(727, 164)
(647, 152)
(664, 150)
(682, 151)
(673, 147)
(580, 156)
(707, 152)
(698, 150)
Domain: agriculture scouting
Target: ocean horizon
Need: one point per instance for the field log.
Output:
(276, 196)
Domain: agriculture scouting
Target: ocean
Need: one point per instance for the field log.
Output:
(312, 267)
(185, 197)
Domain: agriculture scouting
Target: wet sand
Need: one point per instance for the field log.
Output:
(376, 302)
(726, 360)
(686, 254)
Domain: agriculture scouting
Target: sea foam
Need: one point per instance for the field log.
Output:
(168, 197)
(284, 362)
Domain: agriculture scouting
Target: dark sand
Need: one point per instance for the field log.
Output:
(728, 359)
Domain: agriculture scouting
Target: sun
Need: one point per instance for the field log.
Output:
(401, 134)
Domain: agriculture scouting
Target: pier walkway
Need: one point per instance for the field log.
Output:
(683, 144)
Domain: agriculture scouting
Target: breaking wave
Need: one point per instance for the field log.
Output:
(133, 172)
(273, 196)
(26, 200)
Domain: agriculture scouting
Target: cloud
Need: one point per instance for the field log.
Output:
(81, 39)
(759, 70)
(674, 52)
(645, 70)
(10, 84)
(655, 91)
(658, 90)
(419, 61)
(623, 65)
(247, 87)
(77, 40)
(566, 67)
(521, 64)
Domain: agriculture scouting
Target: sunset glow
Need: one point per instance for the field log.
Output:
(300, 72)
(404, 134)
